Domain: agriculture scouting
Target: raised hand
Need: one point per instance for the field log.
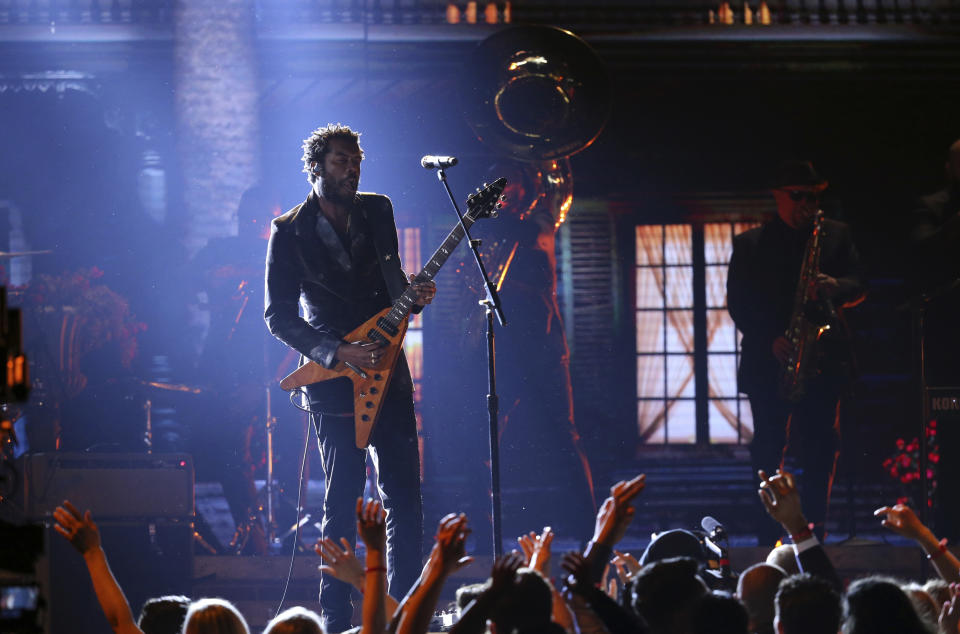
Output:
(536, 550)
(504, 571)
(80, 530)
(578, 569)
(617, 511)
(902, 520)
(340, 563)
(950, 612)
(371, 524)
(781, 498)
(449, 550)
(625, 564)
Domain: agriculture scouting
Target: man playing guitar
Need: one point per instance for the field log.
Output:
(336, 255)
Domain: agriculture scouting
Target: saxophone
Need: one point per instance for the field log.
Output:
(807, 324)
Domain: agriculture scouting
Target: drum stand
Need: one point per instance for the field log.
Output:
(263, 515)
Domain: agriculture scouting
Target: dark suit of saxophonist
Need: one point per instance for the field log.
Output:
(336, 256)
(761, 295)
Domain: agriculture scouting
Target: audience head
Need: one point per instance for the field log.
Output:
(665, 591)
(164, 615)
(719, 613)
(214, 616)
(527, 607)
(875, 605)
(784, 557)
(672, 543)
(466, 594)
(939, 590)
(295, 620)
(806, 605)
(757, 589)
(926, 606)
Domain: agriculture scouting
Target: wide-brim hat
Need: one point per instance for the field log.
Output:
(797, 174)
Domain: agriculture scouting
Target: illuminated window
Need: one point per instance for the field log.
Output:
(728, 416)
(664, 309)
(413, 341)
(670, 300)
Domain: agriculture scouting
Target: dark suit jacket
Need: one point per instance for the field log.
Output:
(935, 238)
(761, 286)
(308, 266)
(934, 266)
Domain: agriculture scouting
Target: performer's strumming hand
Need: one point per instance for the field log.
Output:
(365, 355)
(425, 290)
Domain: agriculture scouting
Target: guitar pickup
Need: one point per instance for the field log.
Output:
(376, 335)
(387, 327)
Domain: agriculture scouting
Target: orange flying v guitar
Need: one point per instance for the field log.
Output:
(390, 325)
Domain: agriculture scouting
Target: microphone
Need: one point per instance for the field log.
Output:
(430, 161)
(714, 528)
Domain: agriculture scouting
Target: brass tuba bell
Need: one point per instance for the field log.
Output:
(535, 93)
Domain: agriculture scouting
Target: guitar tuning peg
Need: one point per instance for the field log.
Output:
(494, 213)
(498, 206)
(485, 185)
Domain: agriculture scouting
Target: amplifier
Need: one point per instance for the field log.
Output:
(944, 408)
(944, 402)
(114, 487)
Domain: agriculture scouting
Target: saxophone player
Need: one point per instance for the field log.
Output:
(775, 280)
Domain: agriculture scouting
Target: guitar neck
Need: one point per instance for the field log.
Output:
(403, 304)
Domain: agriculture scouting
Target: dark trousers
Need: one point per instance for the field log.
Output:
(396, 457)
(813, 438)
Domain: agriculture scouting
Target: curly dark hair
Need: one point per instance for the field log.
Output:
(316, 146)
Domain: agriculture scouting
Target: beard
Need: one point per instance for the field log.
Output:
(341, 191)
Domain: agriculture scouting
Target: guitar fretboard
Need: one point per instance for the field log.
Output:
(403, 305)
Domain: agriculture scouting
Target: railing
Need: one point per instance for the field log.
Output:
(581, 15)
(25, 12)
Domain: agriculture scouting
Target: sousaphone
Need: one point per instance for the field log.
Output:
(535, 93)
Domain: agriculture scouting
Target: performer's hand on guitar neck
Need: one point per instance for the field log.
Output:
(425, 290)
(364, 355)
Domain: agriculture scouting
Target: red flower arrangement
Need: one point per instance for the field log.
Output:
(77, 316)
(904, 466)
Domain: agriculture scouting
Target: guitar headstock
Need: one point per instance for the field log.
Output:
(486, 201)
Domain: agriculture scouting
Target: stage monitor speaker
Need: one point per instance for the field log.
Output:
(114, 487)
(144, 507)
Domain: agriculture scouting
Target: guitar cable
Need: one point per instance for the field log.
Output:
(303, 464)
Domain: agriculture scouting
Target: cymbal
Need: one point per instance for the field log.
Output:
(16, 254)
(158, 385)
(172, 387)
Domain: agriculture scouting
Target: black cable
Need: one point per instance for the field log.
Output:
(296, 533)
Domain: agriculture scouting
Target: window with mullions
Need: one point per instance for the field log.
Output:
(670, 301)
(664, 311)
(728, 417)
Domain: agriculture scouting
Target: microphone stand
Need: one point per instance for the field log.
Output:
(493, 307)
